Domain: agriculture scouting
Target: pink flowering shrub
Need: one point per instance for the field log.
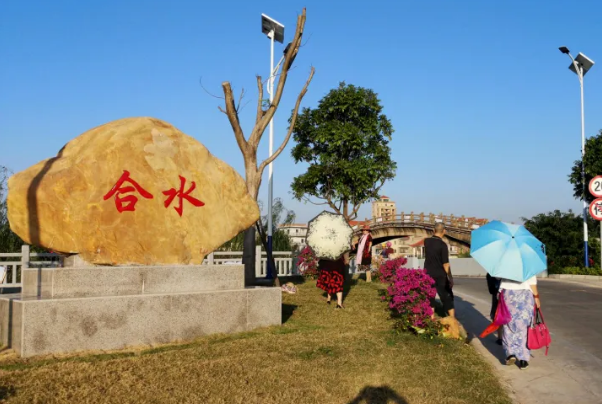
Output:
(386, 270)
(408, 298)
(307, 264)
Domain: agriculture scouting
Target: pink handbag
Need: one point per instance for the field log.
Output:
(538, 335)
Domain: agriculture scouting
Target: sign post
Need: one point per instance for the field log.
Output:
(595, 208)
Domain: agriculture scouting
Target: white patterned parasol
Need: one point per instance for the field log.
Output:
(329, 236)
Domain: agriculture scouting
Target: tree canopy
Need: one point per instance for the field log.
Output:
(345, 141)
(593, 167)
(562, 233)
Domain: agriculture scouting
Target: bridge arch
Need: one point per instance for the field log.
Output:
(458, 229)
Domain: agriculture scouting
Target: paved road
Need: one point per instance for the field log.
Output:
(572, 371)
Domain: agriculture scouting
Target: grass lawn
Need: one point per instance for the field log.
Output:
(319, 355)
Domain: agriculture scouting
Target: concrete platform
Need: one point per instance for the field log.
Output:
(48, 326)
(64, 310)
(129, 280)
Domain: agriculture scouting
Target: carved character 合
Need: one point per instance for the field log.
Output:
(128, 202)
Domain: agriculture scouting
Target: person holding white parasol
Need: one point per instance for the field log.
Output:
(329, 237)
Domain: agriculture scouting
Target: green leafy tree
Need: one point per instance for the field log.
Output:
(562, 234)
(9, 241)
(345, 141)
(593, 167)
(280, 240)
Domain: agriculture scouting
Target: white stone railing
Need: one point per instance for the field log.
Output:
(11, 263)
(285, 261)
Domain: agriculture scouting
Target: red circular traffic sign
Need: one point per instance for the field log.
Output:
(595, 209)
(595, 186)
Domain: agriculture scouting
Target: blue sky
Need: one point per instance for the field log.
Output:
(485, 110)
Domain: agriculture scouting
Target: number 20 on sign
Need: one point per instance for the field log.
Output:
(595, 186)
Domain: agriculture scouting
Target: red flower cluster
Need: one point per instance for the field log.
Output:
(307, 264)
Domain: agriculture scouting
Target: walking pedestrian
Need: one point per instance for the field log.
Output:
(436, 264)
(521, 299)
(364, 253)
(493, 284)
(332, 279)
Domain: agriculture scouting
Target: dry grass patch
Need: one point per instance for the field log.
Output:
(319, 355)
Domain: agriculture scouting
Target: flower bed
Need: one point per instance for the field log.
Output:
(408, 298)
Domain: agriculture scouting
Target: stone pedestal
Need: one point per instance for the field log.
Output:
(80, 309)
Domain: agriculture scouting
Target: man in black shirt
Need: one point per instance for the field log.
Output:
(436, 264)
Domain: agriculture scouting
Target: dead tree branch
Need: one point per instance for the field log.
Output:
(292, 124)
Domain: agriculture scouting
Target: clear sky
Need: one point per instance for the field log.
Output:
(485, 110)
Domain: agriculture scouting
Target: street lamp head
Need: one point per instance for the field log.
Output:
(584, 63)
(564, 50)
(270, 25)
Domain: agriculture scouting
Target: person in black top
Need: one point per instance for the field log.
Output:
(436, 264)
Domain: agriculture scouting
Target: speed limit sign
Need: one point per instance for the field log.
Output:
(595, 186)
(595, 209)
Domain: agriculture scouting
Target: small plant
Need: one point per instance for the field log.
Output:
(408, 298)
(307, 264)
(409, 301)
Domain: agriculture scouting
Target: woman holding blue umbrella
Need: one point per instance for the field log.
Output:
(511, 253)
(521, 299)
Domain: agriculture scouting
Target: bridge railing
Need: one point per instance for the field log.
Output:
(460, 222)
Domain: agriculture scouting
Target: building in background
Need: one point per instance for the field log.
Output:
(384, 208)
(297, 233)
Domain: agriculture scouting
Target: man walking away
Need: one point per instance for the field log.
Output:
(436, 264)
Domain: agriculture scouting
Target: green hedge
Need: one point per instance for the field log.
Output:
(576, 271)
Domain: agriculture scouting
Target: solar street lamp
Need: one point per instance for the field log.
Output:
(580, 66)
(275, 32)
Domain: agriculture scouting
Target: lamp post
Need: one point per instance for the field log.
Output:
(580, 66)
(275, 32)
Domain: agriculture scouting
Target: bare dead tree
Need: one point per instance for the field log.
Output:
(248, 147)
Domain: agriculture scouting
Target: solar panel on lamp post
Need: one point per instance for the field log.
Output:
(580, 66)
(275, 32)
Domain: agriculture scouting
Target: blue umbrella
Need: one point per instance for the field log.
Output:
(508, 251)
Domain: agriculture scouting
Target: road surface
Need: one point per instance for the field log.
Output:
(572, 371)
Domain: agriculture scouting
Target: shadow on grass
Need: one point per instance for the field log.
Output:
(287, 311)
(378, 395)
(6, 392)
(475, 322)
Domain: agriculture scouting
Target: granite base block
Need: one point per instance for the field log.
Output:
(129, 280)
(51, 326)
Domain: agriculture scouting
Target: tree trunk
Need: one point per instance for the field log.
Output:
(270, 256)
(347, 275)
(248, 256)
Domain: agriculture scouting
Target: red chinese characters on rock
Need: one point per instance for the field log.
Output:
(172, 193)
(128, 202)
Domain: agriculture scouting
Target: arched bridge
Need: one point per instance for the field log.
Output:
(458, 228)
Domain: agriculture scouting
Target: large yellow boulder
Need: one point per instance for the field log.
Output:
(132, 191)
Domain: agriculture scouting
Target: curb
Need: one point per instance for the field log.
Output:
(476, 343)
(576, 277)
